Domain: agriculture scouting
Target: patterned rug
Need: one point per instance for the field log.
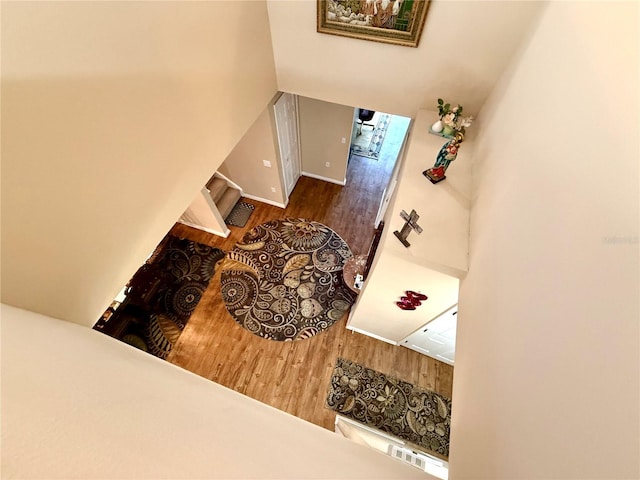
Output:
(394, 406)
(369, 143)
(163, 294)
(240, 214)
(283, 281)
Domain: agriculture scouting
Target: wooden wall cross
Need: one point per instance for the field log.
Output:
(411, 224)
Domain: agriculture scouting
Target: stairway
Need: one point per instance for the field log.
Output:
(224, 195)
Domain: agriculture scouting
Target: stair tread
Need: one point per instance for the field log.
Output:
(217, 188)
(228, 200)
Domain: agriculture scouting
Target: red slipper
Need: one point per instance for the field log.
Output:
(406, 305)
(412, 300)
(419, 296)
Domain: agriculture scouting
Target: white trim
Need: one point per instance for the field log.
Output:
(382, 208)
(276, 143)
(296, 100)
(229, 181)
(366, 428)
(330, 180)
(264, 200)
(204, 229)
(369, 334)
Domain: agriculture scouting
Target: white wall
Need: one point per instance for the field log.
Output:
(120, 413)
(377, 313)
(114, 115)
(546, 382)
(465, 46)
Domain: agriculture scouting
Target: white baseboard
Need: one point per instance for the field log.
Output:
(368, 334)
(330, 180)
(264, 200)
(205, 229)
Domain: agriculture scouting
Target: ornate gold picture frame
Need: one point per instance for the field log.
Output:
(390, 21)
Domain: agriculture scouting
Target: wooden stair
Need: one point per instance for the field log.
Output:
(225, 196)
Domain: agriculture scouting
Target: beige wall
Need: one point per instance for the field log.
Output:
(323, 125)
(244, 164)
(114, 115)
(546, 382)
(120, 413)
(465, 46)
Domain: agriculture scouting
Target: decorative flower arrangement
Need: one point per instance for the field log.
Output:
(445, 108)
(451, 118)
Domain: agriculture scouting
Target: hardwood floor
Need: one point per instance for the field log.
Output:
(294, 376)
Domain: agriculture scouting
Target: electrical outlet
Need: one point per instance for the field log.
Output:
(273, 189)
(327, 164)
(344, 140)
(266, 163)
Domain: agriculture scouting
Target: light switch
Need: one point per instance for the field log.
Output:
(344, 140)
(266, 163)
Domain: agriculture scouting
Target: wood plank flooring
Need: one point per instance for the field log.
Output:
(294, 376)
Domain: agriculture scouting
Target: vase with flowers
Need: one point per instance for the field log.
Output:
(451, 120)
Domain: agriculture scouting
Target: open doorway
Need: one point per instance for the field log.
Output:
(377, 136)
(377, 143)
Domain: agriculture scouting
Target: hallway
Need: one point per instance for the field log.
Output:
(294, 376)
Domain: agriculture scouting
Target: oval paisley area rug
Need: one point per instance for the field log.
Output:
(283, 281)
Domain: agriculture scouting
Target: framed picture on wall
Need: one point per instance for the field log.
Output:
(390, 21)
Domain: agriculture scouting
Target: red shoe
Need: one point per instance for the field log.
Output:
(406, 305)
(412, 300)
(416, 295)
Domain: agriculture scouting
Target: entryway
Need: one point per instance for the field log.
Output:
(377, 136)
(214, 346)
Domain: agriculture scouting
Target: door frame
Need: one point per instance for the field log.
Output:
(278, 142)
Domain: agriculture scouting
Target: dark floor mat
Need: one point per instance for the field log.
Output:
(240, 214)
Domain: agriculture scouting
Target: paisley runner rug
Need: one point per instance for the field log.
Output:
(394, 406)
(369, 143)
(283, 281)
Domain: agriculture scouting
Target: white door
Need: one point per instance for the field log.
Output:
(286, 112)
(437, 339)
